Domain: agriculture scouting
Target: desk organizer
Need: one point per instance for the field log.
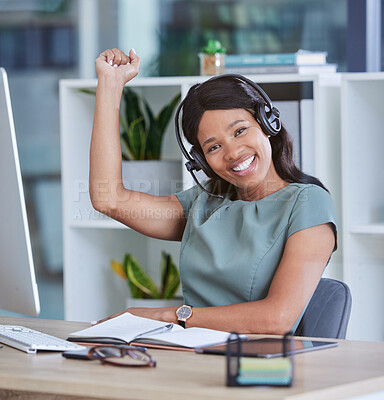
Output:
(255, 370)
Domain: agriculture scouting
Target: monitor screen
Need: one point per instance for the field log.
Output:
(18, 288)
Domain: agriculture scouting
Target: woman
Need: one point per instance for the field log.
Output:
(249, 261)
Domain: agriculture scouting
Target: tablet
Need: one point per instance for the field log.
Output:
(269, 347)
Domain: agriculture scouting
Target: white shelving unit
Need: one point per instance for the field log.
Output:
(362, 97)
(91, 240)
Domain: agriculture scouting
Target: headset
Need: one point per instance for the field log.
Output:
(266, 115)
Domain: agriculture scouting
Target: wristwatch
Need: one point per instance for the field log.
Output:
(183, 313)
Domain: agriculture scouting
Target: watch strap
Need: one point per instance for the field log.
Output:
(181, 323)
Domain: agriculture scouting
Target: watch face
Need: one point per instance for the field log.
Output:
(184, 312)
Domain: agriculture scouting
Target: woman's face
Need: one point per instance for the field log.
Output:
(238, 151)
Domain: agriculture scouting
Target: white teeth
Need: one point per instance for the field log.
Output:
(244, 165)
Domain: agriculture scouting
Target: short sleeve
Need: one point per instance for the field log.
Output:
(188, 197)
(313, 206)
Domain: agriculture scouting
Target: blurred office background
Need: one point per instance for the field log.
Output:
(43, 41)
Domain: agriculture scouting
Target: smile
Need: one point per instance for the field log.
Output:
(244, 165)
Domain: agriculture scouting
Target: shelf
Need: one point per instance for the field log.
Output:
(362, 200)
(369, 229)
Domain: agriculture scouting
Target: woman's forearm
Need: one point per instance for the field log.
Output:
(262, 316)
(105, 155)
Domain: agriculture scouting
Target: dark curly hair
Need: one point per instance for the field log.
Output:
(229, 92)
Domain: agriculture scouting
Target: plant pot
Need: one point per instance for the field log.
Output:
(158, 177)
(154, 303)
(212, 64)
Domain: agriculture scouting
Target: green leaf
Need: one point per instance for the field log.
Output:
(118, 269)
(139, 278)
(135, 291)
(164, 264)
(213, 46)
(141, 133)
(153, 144)
(125, 147)
(87, 91)
(123, 123)
(132, 109)
(137, 138)
(164, 116)
(170, 276)
(133, 124)
(158, 125)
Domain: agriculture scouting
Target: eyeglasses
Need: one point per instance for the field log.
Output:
(122, 356)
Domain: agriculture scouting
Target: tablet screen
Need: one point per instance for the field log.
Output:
(269, 347)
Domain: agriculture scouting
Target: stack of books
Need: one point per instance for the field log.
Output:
(303, 61)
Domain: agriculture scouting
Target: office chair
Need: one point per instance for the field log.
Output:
(328, 311)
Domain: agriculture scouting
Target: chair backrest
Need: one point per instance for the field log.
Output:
(328, 311)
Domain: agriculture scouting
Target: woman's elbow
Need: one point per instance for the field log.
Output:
(101, 200)
(103, 207)
(281, 322)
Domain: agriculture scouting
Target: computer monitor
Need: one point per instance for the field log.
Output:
(18, 287)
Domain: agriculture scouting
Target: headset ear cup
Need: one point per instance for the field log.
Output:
(265, 122)
(200, 162)
(261, 113)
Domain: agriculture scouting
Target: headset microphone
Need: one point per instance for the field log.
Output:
(267, 116)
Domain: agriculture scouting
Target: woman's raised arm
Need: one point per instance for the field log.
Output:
(159, 217)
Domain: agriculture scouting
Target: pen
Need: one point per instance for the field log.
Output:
(162, 329)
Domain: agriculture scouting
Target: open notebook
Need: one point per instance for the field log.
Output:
(128, 328)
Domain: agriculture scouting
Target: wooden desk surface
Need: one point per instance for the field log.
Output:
(351, 369)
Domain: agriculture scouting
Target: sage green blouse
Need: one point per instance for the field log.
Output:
(230, 250)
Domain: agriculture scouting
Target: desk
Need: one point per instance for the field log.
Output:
(351, 369)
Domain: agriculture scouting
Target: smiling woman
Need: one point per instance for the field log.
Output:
(266, 242)
(239, 153)
(251, 257)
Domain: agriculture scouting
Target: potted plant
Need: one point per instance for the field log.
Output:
(142, 133)
(212, 58)
(144, 292)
